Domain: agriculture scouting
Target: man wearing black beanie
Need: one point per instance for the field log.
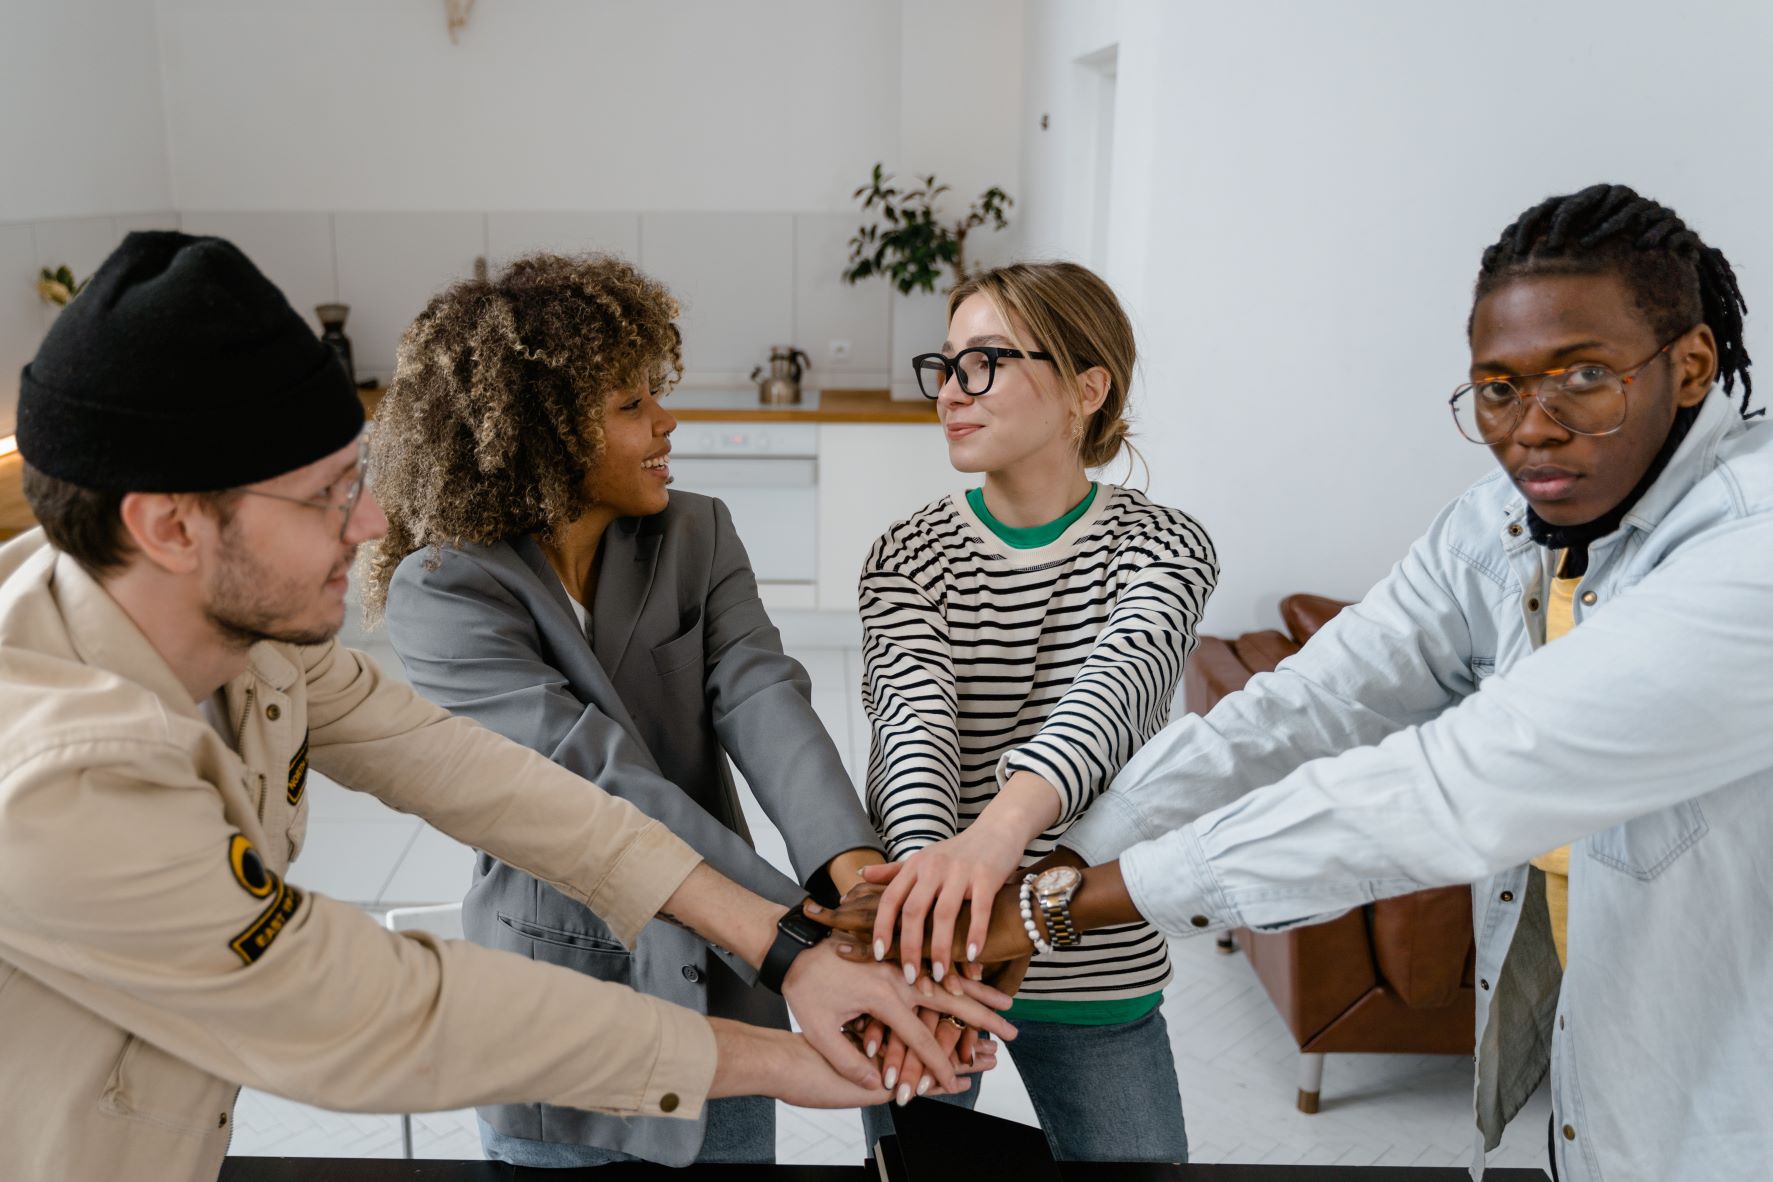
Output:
(169, 671)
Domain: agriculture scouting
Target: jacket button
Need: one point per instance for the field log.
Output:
(1569, 1132)
(1483, 984)
(1200, 921)
(1532, 605)
(691, 973)
(221, 1122)
(1508, 896)
(1514, 530)
(1588, 597)
(668, 1102)
(273, 712)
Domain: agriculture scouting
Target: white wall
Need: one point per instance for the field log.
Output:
(1319, 183)
(84, 150)
(80, 88)
(548, 104)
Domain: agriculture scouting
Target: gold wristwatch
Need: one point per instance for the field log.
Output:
(1053, 892)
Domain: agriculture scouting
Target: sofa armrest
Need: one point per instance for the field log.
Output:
(1421, 943)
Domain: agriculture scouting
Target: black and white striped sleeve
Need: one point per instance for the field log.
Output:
(1122, 694)
(908, 693)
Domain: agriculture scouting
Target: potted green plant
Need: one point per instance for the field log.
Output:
(910, 246)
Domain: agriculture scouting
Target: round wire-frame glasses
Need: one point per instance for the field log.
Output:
(1588, 399)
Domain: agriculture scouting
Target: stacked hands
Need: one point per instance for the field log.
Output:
(951, 917)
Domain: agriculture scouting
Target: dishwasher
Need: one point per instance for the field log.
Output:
(767, 474)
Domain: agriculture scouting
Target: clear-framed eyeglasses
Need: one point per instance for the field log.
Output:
(1588, 399)
(347, 505)
(975, 368)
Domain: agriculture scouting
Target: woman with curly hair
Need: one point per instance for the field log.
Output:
(537, 576)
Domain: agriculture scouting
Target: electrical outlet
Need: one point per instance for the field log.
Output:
(840, 351)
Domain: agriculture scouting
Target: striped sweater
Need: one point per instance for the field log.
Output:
(982, 660)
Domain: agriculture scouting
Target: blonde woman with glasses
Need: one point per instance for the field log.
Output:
(1021, 641)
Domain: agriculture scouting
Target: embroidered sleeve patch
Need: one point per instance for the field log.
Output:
(249, 869)
(298, 774)
(251, 944)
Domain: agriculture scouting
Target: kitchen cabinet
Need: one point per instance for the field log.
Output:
(871, 475)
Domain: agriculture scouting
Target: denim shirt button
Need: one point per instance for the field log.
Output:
(1532, 605)
(1514, 530)
(1200, 921)
(1588, 598)
(1508, 896)
(1569, 1132)
(1482, 984)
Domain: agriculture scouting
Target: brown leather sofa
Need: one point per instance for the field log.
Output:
(1394, 976)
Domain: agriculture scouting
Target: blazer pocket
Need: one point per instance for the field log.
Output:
(1644, 848)
(561, 938)
(682, 650)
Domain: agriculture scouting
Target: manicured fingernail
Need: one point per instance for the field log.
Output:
(936, 970)
(923, 1086)
(972, 952)
(904, 1095)
(880, 950)
(910, 974)
(846, 949)
(892, 1077)
(873, 1045)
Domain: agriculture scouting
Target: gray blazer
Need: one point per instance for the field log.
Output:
(682, 669)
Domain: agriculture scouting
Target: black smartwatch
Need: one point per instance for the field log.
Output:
(795, 933)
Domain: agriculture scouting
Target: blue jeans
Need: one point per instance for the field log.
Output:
(1101, 1093)
(740, 1129)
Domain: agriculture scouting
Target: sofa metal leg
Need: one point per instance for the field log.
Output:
(1225, 944)
(1311, 1081)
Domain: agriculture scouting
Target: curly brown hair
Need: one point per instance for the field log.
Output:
(494, 420)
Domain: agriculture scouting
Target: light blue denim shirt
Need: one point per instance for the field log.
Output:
(1424, 738)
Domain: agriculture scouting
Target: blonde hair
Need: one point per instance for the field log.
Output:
(1070, 312)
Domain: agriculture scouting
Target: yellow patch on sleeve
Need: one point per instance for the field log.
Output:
(252, 943)
(298, 774)
(249, 869)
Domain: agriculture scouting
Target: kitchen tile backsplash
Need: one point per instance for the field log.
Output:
(746, 280)
(511, 234)
(734, 275)
(390, 264)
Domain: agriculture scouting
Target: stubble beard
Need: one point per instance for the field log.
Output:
(247, 603)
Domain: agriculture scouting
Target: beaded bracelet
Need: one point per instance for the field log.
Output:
(1026, 897)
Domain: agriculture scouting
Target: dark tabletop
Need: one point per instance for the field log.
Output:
(317, 1169)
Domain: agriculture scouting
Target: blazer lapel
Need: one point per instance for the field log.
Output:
(625, 579)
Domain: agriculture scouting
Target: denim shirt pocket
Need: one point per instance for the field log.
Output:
(1644, 848)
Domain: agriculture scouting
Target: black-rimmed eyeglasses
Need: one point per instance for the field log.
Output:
(975, 368)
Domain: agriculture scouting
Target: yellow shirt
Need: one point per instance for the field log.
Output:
(1560, 617)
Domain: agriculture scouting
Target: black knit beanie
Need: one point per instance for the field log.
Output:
(181, 368)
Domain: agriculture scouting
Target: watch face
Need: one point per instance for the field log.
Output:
(807, 931)
(1060, 880)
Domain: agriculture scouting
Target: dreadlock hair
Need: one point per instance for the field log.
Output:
(1676, 280)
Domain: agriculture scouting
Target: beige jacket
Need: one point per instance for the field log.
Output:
(153, 959)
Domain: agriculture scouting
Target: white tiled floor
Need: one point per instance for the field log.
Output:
(1235, 1058)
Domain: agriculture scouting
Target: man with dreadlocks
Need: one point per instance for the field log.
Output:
(1576, 652)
